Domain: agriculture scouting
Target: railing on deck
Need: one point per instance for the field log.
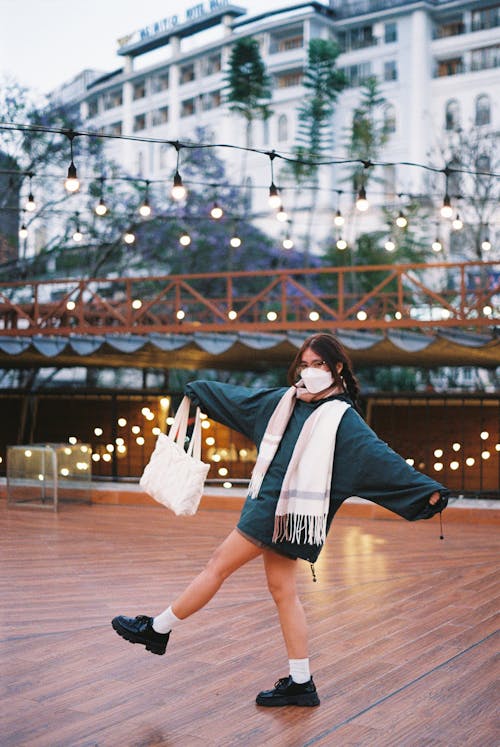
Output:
(409, 296)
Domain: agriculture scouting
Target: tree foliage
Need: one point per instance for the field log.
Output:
(248, 86)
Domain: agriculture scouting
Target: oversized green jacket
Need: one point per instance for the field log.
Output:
(364, 465)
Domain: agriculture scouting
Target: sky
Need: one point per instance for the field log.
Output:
(44, 43)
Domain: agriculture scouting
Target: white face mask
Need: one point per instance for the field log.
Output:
(316, 380)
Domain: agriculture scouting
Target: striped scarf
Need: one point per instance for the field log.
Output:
(302, 509)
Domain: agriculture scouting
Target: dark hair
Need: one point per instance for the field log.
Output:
(332, 352)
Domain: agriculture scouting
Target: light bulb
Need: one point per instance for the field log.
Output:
(180, 314)
(216, 212)
(457, 223)
(235, 241)
(362, 316)
(23, 232)
(287, 243)
(282, 215)
(401, 220)
(72, 184)
(145, 209)
(362, 203)
(339, 219)
(232, 314)
(446, 210)
(129, 237)
(436, 245)
(100, 208)
(341, 244)
(390, 245)
(77, 236)
(30, 203)
(487, 310)
(486, 245)
(178, 190)
(184, 239)
(274, 197)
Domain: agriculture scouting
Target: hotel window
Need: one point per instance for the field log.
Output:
(389, 119)
(113, 129)
(186, 73)
(159, 116)
(390, 32)
(390, 70)
(188, 107)
(289, 79)
(452, 115)
(487, 18)
(483, 110)
(139, 90)
(282, 128)
(159, 82)
(449, 27)
(93, 107)
(139, 122)
(357, 74)
(113, 99)
(485, 58)
(284, 41)
(211, 64)
(453, 66)
(359, 38)
(210, 100)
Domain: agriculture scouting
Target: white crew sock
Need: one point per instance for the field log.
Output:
(299, 670)
(165, 621)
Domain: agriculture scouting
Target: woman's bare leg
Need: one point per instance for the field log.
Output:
(234, 552)
(281, 575)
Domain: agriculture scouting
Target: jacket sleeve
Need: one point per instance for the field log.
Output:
(367, 467)
(238, 407)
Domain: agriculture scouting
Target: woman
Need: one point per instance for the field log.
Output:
(315, 451)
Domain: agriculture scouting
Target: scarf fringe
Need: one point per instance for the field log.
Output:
(299, 528)
(255, 483)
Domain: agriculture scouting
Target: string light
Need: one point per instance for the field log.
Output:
(129, 237)
(362, 203)
(72, 183)
(184, 239)
(30, 203)
(457, 223)
(179, 191)
(486, 245)
(446, 209)
(235, 241)
(216, 211)
(101, 209)
(145, 208)
(287, 242)
(274, 197)
(339, 219)
(77, 235)
(23, 231)
(341, 244)
(389, 245)
(281, 214)
(437, 245)
(401, 220)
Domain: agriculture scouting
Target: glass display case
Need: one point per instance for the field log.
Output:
(44, 475)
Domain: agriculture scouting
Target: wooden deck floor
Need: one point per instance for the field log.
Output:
(403, 635)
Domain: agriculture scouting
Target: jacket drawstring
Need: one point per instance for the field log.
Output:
(441, 534)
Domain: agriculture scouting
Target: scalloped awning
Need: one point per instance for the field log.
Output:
(251, 351)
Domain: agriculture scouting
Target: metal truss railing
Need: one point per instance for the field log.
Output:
(408, 296)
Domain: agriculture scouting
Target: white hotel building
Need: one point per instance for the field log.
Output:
(437, 62)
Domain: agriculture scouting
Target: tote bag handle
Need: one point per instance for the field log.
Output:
(178, 429)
